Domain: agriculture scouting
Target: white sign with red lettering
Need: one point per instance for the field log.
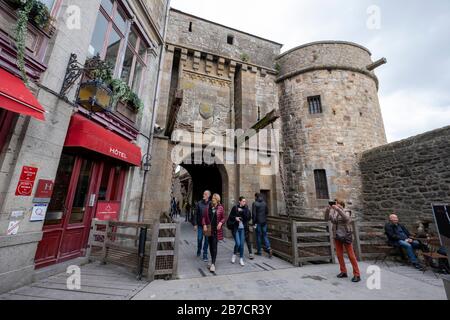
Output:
(13, 228)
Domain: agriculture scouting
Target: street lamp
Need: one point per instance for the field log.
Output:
(94, 96)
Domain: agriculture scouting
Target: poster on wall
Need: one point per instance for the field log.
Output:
(26, 181)
(441, 215)
(108, 210)
(13, 228)
(38, 213)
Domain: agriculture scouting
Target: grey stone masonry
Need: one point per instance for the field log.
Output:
(406, 177)
(201, 34)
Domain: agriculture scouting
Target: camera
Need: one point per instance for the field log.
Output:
(332, 203)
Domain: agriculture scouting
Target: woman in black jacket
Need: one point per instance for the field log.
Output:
(240, 216)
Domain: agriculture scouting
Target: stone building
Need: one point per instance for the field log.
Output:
(327, 97)
(92, 159)
(198, 81)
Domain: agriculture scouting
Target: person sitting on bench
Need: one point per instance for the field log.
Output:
(399, 236)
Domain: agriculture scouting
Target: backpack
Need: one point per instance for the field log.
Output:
(230, 223)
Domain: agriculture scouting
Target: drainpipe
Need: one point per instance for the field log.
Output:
(154, 116)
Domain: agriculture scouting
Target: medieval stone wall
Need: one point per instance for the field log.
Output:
(350, 123)
(212, 38)
(406, 177)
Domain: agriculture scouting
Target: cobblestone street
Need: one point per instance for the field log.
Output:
(260, 279)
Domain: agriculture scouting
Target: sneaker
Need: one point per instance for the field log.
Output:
(418, 266)
(270, 253)
(212, 269)
(241, 262)
(252, 257)
(205, 259)
(356, 279)
(233, 259)
(342, 275)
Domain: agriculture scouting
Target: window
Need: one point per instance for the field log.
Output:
(320, 177)
(135, 61)
(190, 26)
(6, 122)
(119, 44)
(230, 40)
(315, 105)
(109, 33)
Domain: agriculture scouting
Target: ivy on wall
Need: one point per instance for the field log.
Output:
(28, 11)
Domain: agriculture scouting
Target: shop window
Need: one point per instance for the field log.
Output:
(315, 105)
(320, 177)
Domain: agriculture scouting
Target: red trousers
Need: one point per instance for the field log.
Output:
(351, 254)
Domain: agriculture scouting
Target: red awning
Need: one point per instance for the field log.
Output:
(16, 97)
(86, 134)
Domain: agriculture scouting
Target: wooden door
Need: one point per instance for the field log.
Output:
(69, 211)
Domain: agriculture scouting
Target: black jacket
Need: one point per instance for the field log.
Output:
(260, 212)
(199, 210)
(391, 232)
(245, 215)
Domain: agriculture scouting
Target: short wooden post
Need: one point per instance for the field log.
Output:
(91, 240)
(175, 252)
(357, 240)
(332, 246)
(153, 251)
(294, 241)
(105, 247)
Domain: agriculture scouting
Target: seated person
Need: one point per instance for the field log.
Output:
(399, 236)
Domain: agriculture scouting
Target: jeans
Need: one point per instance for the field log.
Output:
(247, 240)
(213, 247)
(261, 231)
(202, 240)
(239, 238)
(409, 247)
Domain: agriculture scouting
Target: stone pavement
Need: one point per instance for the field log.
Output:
(308, 283)
(261, 279)
(192, 267)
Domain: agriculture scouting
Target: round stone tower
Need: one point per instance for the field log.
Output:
(330, 115)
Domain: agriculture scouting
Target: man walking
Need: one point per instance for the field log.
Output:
(201, 207)
(260, 214)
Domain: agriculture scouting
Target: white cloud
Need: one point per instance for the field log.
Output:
(410, 113)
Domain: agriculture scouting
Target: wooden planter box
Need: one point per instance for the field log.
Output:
(127, 111)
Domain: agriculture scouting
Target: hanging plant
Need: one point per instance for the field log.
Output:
(32, 11)
(101, 70)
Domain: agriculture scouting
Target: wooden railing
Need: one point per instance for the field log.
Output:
(370, 239)
(300, 240)
(135, 246)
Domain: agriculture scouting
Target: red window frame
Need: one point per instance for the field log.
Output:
(124, 43)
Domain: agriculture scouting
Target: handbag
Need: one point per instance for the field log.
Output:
(344, 236)
(208, 232)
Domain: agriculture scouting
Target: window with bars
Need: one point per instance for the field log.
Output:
(315, 105)
(320, 177)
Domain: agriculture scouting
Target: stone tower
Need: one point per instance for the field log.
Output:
(330, 111)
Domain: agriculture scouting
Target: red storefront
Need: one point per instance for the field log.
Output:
(91, 175)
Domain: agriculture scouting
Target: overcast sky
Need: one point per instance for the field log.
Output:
(414, 35)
